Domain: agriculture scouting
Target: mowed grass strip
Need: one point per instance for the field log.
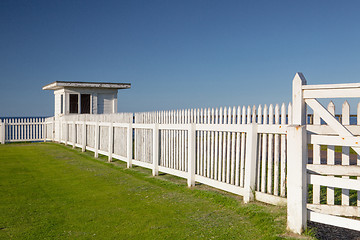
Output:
(49, 191)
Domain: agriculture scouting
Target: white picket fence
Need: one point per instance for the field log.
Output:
(22, 129)
(270, 153)
(221, 151)
(220, 143)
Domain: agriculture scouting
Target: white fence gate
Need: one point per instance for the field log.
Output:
(328, 175)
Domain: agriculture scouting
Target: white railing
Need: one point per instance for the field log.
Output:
(220, 150)
(22, 129)
(220, 145)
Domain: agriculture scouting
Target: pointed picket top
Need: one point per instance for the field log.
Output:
(271, 114)
(182, 114)
(201, 114)
(277, 114)
(216, 119)
(248, 113)
(238, 115)
(253, 114)
(234, 115)
(299, 79)
(225, 116)
(206, 116)
(243, 117)
(260, 112)
(345, 113)
(197, 115)
(265, 111)
(221, 115)
(209, 116)
(193, 115)
(188, 115)
(331, 108)
(290, 114)
(229, 115)
(283, 113)
(212, 116)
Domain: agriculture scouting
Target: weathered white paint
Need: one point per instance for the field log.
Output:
(344, 183)
(339, 170)
(155, 145)
(337, 210)
(296, 182)
(334, 220)
(250, 163)
(191, 155)
(270, 199)
(299, 107)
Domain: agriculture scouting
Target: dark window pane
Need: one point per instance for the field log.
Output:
(85, 103)
(74, 99)
(61, 103)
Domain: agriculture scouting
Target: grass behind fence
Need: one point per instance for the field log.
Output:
(49, 191)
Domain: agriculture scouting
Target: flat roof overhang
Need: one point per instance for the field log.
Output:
(65, 84)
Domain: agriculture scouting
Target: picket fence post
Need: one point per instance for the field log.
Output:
(191, 154)
(155, 170)
(250, 163)
(44, 132)
(60, 122)
(129, 145)
(111, 141)
(66, 132)
(83, 137)
(53, 129)
(96, 140)
(2, 132)
(74, 134)
(297, 159)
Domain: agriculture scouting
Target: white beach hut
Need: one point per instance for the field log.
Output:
(85, 97)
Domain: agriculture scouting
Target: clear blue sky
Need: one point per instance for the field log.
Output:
(176, 54)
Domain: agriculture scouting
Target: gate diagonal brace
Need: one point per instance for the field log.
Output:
(330, 120)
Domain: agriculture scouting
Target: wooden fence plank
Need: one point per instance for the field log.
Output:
(316, 160)
(345, 156)
(330, 191)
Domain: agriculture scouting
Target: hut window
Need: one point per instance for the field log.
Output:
(61, 103)
(85, 103)
(74, 101)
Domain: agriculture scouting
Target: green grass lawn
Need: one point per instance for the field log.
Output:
(49, 191)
